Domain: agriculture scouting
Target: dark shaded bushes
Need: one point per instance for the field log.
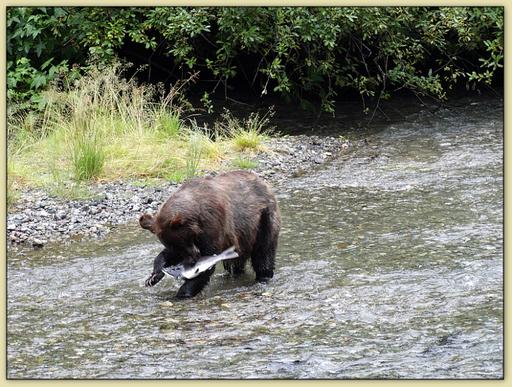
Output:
(308, 54)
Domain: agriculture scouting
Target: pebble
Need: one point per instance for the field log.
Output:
(60, 215)
(38, 243)
(37, 218)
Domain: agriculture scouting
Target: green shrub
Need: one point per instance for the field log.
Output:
(39, 47)
(311, 54)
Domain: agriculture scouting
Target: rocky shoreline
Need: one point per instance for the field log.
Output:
(37, 218)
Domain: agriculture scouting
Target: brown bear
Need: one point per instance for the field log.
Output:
(205, 216)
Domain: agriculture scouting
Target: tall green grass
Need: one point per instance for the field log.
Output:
(245, 134)
(85, 139)
(106, 127)
(88, 156)
(193, 156)
(168, 124)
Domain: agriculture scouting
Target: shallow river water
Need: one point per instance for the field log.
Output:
(390, 265)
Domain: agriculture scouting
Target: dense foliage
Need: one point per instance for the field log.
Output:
(310, 54)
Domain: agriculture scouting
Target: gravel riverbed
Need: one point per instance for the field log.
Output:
(37, 218)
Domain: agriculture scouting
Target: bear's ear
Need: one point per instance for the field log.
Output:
(147, 221)
(176, 221)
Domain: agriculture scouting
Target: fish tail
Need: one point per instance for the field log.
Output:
(229, 253)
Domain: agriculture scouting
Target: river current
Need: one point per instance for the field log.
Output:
(390, 265)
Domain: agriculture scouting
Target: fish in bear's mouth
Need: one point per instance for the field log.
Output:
(202, 265)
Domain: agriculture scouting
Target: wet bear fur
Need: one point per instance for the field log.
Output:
(205, 216)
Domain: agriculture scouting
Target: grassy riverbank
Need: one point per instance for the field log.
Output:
(106, 128)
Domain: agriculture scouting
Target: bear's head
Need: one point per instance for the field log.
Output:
(176, 233)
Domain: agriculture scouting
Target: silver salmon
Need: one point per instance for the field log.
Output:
(203, 264)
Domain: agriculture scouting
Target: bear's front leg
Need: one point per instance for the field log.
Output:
(193, 286)
(165, 258)
(153, 279)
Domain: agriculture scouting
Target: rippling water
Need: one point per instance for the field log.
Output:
(390, 265)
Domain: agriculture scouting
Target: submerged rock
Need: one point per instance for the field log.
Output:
(38, 243)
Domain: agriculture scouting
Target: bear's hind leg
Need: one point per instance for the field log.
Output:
(264, 251)
(235, 267)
